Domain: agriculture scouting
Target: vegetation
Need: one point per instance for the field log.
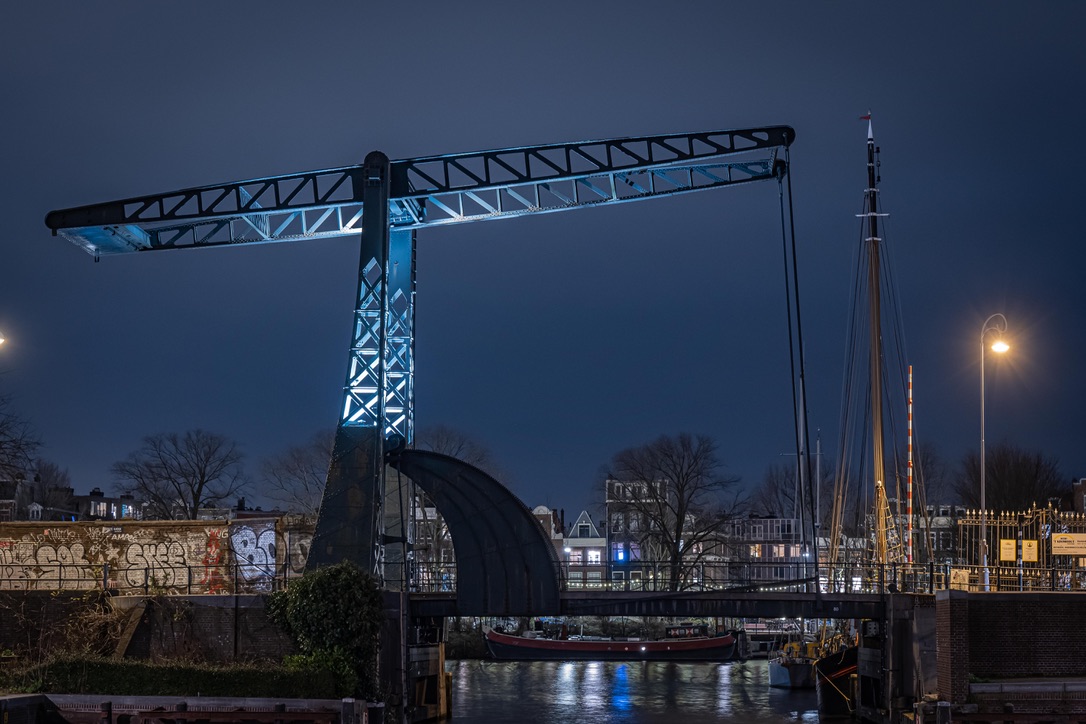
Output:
(334, 615)
(675, 489)
(776, 496)
(72, 652)
(18, 441)
(296, 478)
(94, 675)
(1014, 478)
(176, 475)
(450, 441)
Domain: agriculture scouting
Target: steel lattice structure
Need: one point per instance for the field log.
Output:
(428, 191)
(387, 201)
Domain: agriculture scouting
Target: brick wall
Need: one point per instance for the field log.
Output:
(206, 628)
(1007, 636)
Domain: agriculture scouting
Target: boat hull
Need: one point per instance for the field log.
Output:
(792, 674)
(520, 648)
(833, 682)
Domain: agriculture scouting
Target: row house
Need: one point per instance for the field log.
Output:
(584, 550)
(768, 550)
(28, 500)
(433, 559)
(741, 552)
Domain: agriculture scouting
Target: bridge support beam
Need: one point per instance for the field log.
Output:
(347, 522)
(349, 525)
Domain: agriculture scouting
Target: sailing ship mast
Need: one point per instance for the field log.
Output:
(884, 536)
(874, 296)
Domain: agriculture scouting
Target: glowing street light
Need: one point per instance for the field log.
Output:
(995, 325)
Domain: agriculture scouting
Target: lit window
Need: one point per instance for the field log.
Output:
(594, 557)
(618, 552)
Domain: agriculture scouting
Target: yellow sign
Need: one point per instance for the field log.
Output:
(1068, 544)
(1008, 549)
(1029, 551)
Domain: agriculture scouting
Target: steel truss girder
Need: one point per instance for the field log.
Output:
(427, 191)
(395, 292)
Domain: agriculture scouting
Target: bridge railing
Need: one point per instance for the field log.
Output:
(791, 576)
(724, 575)
(249, 578)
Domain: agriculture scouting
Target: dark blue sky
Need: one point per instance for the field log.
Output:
(561, 339)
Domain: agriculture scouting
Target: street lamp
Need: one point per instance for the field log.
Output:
(997, 325)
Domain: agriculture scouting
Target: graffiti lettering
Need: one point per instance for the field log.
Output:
(156, 565)
(179, 557)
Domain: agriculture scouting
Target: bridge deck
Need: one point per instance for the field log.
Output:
(688, 604)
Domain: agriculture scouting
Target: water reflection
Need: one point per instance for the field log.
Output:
(541, 692)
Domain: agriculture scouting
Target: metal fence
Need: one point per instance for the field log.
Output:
(734, 576)
(1048, 573)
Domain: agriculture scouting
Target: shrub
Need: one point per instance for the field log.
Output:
(334, 614)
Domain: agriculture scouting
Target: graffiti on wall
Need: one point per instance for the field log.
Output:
(150, 556)
(253, 544)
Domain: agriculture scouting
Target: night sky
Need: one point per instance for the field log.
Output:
(559, 339)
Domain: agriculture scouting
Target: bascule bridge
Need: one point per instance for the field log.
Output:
(505, 565)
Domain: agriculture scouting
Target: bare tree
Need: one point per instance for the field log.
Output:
(52, 487)
(296, 478)
(456, 443)
(676, 488)
(18, 442)
(777, 494)
(1014, 478)
(177, 475)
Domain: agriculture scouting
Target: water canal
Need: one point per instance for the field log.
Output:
(597, 692)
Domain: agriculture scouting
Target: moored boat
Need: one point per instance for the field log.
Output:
(834, 683)
(792, 667)
(534, 648)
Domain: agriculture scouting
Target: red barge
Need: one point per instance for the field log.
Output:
(697, 648)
